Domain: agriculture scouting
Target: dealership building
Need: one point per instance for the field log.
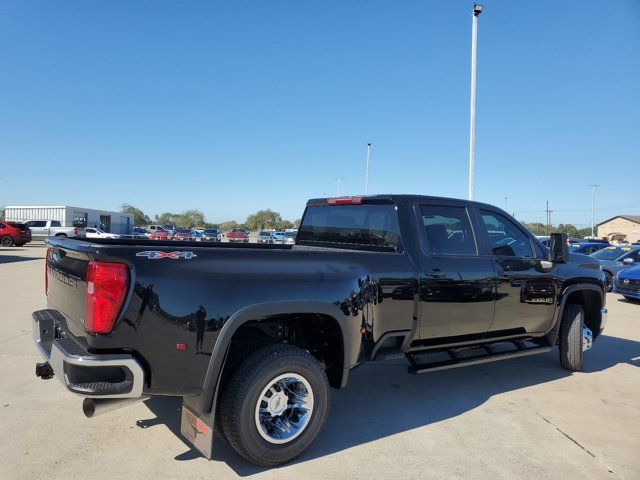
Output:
(623, 228)
(114, 222)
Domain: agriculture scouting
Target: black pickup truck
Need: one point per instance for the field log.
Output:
(253, 335)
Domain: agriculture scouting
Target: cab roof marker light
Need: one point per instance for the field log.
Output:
(344, 201)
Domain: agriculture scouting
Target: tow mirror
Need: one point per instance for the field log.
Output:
(559, 248)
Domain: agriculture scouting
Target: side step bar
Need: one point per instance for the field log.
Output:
(487, 355)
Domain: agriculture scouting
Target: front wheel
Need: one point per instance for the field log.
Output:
(572, 337)
(608, 279)
(6, 241)
(275, 404)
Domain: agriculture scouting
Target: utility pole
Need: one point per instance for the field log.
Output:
(477, 9)
(593, 208)
(339, 180)
(366, 172)
(549, 212)
(505, 202)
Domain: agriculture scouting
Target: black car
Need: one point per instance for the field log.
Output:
(252, 336)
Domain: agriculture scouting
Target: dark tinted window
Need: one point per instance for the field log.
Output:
(55, 223)
(365, 225)
(448, 230)
(37, 223)
(505, 238)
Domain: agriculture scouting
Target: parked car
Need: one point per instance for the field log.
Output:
(155, 228)
(211, 235)
(171, 229)
(252, 338)
(41, 229)
(91, 232)
(279, 237)
(627, 283)
(238, 235)
(14, 233)
(160, 235)
(139, 232)
(265, 237)
(587, 248)
(182, 234)
(197, 236)
(543, 239)
(616, 258)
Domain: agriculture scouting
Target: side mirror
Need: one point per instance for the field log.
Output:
(559, 248)
(628, 260)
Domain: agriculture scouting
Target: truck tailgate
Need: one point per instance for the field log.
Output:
(66, 275)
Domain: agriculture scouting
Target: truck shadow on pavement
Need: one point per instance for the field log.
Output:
(381, 399)
(14, 255)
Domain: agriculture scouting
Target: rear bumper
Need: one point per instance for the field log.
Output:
(83, 373)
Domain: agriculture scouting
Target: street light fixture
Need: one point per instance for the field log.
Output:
(472, 122)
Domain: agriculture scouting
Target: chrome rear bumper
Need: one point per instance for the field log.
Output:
(83, 373)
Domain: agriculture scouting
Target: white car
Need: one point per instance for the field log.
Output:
(98, 233)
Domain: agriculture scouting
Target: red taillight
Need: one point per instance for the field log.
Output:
(345, 201)
(46, 272)
(107, 285)
(75, 232)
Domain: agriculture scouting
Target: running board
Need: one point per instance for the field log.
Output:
(488, 356)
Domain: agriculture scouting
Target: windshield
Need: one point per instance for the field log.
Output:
(611, 253)
(210, 230)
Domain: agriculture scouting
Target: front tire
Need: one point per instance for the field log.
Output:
(275, 404)
(571, 338)
(608, 279)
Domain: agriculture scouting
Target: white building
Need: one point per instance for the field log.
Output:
(114, 222)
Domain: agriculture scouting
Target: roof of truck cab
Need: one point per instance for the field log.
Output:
(399, 198)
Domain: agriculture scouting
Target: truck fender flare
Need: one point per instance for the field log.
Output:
(552, 336)
(350, 333)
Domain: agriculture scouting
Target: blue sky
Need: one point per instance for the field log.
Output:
(230, 107)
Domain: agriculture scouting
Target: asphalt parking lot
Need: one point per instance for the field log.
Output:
(523, 418)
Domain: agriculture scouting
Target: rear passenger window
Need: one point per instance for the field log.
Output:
(505, 238)
(55, 223)
(448, 230)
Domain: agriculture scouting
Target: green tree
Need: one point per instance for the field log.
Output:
(284, 224)
(228, 225)
(263, 219)
(297, 222)
(139, 217)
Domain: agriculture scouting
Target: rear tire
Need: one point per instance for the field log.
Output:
(6, 241)
(243, 404)
(571, 353)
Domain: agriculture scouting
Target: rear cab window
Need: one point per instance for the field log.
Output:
(447, 230)
(357, 226)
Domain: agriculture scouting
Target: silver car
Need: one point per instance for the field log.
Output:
(616, 258)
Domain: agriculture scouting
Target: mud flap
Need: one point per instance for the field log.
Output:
(196, 429)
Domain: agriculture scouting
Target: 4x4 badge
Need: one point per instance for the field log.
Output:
(157, 254)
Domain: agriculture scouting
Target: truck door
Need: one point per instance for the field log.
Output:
(526, 289)
(38, 228)
(456, 283)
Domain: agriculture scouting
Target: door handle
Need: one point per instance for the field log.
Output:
(434, 274)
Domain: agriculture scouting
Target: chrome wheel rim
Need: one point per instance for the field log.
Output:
(284, 408)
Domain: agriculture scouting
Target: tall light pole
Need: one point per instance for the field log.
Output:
(366, 171)
(339, 180)
(593, 208)
(477, 9)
